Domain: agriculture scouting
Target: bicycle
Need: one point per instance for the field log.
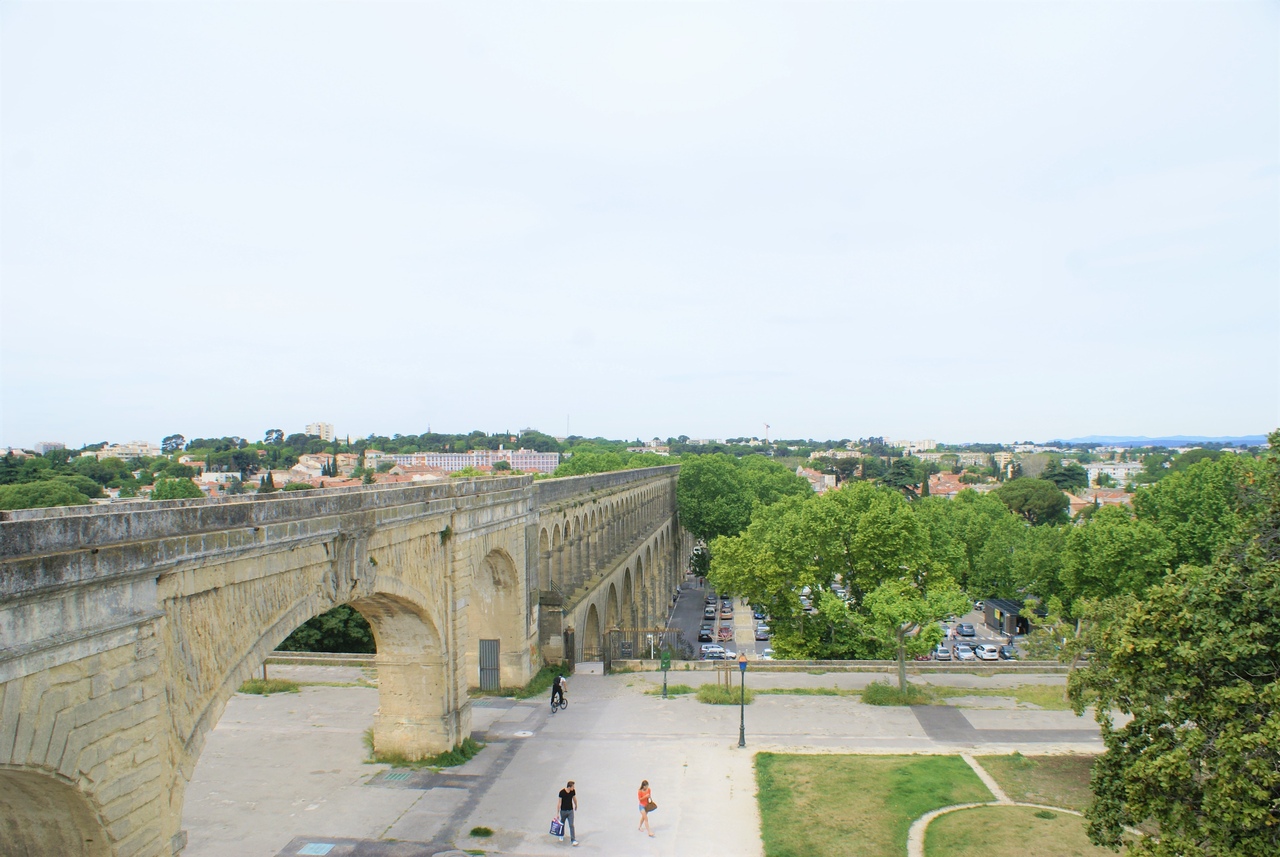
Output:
(561, 705)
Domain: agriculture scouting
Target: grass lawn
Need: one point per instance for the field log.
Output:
(1048, 696)
(812, 806)
(974, 831)
(1053, 780)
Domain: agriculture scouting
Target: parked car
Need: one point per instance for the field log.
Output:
(987, 652)
(964, 653)
(762, 631)
(757, 615)
(726, 612)
(979, 605)
(766, 655)
(726, 633)
(704, 634)
(1008, 653)
(942, 653)
(964, 629)
(709, 613)
(711, 648)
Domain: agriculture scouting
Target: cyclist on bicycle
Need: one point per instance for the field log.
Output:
(558, 689)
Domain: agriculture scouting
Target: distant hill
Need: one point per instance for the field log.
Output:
(1173, 440)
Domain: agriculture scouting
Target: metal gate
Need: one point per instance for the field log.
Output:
(490, 677)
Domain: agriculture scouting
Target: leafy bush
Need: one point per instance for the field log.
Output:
(176, 489)
(883, 693)
(39, 495)
(481, 831)
(718, 694)
(266, 687)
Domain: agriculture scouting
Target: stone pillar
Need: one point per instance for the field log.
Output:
(414, 716)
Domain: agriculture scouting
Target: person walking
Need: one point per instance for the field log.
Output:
(566, 803)
(645, 797)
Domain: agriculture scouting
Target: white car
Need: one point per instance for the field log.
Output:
(964, 653)
(987, 652)
(766, 655)
(707, 648)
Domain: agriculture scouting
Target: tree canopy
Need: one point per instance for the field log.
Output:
(1037, 500)
(716, 493)
(1194, 661)
(175, 489)
(34, 495)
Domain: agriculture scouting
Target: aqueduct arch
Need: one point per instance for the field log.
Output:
(125, 629)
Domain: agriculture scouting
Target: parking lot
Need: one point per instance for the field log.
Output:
(734, 633)
(737, 633)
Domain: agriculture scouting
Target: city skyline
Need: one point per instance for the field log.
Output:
(980, 222)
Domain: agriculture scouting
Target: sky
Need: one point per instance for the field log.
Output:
(961, 221)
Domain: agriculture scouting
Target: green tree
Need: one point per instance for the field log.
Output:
(341, 629)
(1201, 508)
(173, 443)
(175, 489)
(501, 465)
(907, 612)
(1070, 477)
(711, 497)
(42, 494)
(1194, 663)
(1038, 501)
(902, 475)
(1113, 554)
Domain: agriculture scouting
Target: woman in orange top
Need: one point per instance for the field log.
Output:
(644, 796)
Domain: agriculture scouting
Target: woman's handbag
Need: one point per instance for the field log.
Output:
(651, 806)
(557, 827)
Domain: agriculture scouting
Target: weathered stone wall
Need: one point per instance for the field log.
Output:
(125, 630)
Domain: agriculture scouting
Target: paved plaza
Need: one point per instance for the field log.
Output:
(284, 774)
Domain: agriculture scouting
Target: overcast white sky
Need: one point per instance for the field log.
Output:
(964, 221)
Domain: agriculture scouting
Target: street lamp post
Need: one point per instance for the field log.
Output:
(742, 701)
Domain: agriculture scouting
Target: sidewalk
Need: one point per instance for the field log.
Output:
(283, 771)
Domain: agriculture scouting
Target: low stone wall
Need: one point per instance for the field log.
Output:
(913, 667)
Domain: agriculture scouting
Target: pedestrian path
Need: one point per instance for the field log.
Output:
(282, 773)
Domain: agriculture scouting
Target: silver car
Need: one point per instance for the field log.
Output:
(964, 653)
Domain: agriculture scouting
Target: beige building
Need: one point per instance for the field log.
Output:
(324, 431)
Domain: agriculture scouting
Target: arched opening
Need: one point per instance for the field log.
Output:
(497, 616)
(611, 608)
(46, 815)
(544, 560)
(628, 600)
(592, 644)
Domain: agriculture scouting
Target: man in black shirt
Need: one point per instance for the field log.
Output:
(566, 804)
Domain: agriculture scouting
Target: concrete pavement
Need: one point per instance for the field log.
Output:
(284, 773)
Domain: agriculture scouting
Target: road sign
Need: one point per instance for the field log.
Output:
(666, 660)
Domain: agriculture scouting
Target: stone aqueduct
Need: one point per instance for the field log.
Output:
(123, 632)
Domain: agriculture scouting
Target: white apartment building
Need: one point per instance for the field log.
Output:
(126, 451)
(46, 445)
(1123, 472)
(964, 459)
(834, 453)
(521, 459)
(912, 446)
(324, 431)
